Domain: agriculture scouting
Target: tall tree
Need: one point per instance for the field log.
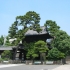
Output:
(31, 19)
(52, 27)
(7, 43)
(55, 54)
(36, 49)
(41, 48)
(13, 30)
(31, 52)
(1, 40)
(62, 42)
(28, 21)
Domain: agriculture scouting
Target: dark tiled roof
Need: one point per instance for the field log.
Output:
(32, 32)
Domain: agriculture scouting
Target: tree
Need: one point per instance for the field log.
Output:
(1, 40)
(52, 27)
(61, 42)
(7, 43)
(61, 38)
(29, 48)
(31, 52)
(55, 54)
(41, 48)
(36, 48)
(34, 20)
(6, 55)
(13, 30)
(31, 19)
(28, 21)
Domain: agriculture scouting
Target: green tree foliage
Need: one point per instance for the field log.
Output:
(1, 40)
(61, 42)
(28, 21)
(55, 54)
(41, 46)
(34, 49)
(61, 38)
(30, 17)
(13, 30)
(52, 27)
(7, 42)
(31, 51)
(31, 54)
(6, 54)
(31, 20)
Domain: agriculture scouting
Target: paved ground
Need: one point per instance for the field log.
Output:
(34, 67)
(28, 67)
(62, 67)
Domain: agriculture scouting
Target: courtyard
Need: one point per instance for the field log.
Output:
(33, 67)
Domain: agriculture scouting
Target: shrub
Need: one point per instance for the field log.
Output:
(6, 55)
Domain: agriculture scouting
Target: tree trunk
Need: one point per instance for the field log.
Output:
(64, 61)
(43, 58)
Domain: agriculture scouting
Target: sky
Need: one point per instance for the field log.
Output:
(56, 10)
